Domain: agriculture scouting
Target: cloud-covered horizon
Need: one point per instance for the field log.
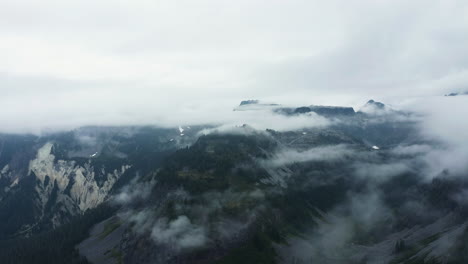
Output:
(76, 63)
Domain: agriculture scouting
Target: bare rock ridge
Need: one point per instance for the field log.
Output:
(74, 187)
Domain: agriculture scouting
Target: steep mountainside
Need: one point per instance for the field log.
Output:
(47, 180)
(362, 189)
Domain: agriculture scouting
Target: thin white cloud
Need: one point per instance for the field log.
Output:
(325, 153)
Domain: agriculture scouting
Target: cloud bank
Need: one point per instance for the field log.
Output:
(79, 63)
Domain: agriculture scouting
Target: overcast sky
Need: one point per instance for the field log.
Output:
(103, 62)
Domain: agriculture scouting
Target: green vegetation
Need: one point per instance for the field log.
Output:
(117, 255)
(210, 164)
(17, 208)
(218, 180)
(407, 254)
(55, 246)
(109, 227)
(258, 250)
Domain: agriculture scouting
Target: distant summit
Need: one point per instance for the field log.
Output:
(249, 102)
(378, 105)
(373, 107)
(253, 105)
(320, 110)
(327, 110)
(457, 94)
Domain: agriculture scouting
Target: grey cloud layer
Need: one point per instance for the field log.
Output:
(137, 62)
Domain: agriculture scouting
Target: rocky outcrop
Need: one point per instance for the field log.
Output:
(247, 102)
(74, 187)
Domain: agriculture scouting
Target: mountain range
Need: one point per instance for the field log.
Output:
(361, 189)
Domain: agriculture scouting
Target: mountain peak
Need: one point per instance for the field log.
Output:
(253, 105)
(318, 109)
(248, 102)
(374, 107)
(376, 104)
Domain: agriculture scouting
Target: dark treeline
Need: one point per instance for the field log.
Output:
(54, 246)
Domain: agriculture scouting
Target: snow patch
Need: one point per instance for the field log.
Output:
(14, 183)
(5, 169)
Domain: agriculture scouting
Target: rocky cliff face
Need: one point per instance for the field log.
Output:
(45, 181)
(71, 187)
